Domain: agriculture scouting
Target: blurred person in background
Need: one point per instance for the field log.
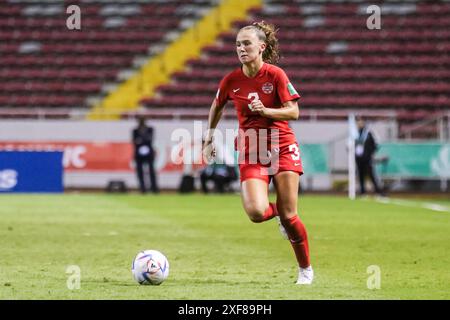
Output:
(221, 171)
(365, 148)
(221, 174)
(144, 155)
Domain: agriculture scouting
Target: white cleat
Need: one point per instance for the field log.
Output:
(282, 229)
(305, 275)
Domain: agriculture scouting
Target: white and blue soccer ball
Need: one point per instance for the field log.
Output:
(150, 267)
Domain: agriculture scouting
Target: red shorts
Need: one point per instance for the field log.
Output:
(285, 159)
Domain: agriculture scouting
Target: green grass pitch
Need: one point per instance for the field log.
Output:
(215, 252)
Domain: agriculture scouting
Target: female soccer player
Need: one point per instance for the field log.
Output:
(264, 100)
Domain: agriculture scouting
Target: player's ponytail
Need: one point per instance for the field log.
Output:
(267, 33)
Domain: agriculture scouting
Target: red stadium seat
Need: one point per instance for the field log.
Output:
(403, 66)
(45, 65)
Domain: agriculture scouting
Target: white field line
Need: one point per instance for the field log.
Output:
(413, 204)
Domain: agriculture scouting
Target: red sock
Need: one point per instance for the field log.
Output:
(271, 212)
(299, 239)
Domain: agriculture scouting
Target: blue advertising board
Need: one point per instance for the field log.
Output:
(31, 171)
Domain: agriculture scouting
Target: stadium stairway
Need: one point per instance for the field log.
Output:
(158, 70)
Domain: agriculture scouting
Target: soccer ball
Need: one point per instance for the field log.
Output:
(150, 267)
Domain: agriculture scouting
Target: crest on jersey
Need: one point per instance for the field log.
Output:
(267, 88)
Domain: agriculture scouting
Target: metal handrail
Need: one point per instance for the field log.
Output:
(422, 123)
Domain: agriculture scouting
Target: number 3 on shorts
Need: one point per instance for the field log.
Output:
(296, 152)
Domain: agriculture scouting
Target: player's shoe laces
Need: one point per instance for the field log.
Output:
(282, 229)
(305, 275)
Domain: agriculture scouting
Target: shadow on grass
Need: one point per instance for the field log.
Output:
(178, 282)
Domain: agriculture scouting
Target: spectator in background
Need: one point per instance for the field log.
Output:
(221, 174)
(222, 171)
(144, 155)
(365, 147)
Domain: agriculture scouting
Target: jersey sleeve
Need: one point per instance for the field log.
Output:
(285, 89)
(222, 95)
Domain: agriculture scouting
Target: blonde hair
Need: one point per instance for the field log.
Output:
(267, 33)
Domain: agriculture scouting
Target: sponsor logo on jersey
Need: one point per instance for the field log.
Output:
(291, 89)
(267, 88)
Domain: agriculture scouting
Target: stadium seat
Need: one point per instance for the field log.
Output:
(335, 62)
(43, 64)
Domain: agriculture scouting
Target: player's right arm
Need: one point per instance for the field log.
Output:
(215, 113)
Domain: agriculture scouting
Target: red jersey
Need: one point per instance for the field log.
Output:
(270, 85)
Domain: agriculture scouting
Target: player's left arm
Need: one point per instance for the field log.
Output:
(289, 111)
(286, 94)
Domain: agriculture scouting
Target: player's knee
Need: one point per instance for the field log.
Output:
(256, 218)
(255, 214)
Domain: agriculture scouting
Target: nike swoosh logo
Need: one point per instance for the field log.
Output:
(296, 164)
(236, 90)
